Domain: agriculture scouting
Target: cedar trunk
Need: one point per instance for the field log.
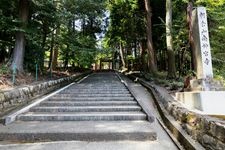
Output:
(142, 54)
(55, 52)
(150, 49)
(51, 51)
(169, 41)
(18, 53)
(122, 56)
(191, 40)
(66, 61)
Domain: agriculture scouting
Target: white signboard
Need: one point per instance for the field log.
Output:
(207, 71)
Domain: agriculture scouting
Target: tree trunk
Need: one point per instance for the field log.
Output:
(44, 37)
(150, 50)
(53, 59)
(55, 51)
(135, 49)
(191, 40)
(142, 56)
(51, 51)
(122, 56)
(3, 54)
(74, 25)
(66, 62)
(18, 53)
(169, 41)
(42, 51)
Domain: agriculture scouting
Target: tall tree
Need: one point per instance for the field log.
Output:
(150, 49)
(18, 53)
(169, 41)
(55, 52)
(122, 56)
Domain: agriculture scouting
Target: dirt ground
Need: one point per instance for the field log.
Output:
(29, 79)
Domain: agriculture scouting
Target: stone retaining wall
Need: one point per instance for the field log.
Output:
(208, 131)
(15, 97)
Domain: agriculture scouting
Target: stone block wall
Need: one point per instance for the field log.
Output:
(208, 131)
(23, 95)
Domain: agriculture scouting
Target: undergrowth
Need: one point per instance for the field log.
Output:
(4, 69)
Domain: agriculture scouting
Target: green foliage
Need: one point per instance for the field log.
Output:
(4, 69)
(126, 22)
(8, 24)
(77, 23)
(78, 46)
(72, 26)
(219, 74)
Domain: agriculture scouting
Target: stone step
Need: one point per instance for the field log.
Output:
(91, 95)
(102, 82)
(83, 116)
(78, 131)
(96, 90)
(86, 109)
(91, 98)
(88, 103)
(93, 92)
(98, 87)
(107, 84)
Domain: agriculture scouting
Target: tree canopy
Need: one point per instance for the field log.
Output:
(134, 32)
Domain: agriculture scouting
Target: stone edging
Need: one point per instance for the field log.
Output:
(208, 131)
(23, 95)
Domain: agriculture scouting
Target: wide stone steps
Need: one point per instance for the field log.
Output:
(100, 88)
(86, 83)
(86, 109)
(100, 108)
(83, 116)
(88, 103)
(92, 95)
(92, 98)
(94, 92)
(108, 84)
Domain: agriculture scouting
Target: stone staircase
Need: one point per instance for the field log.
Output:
(101, 97)
(98, 108)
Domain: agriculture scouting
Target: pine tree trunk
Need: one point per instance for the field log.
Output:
(150, 49)
(18, 52)
(169, 41)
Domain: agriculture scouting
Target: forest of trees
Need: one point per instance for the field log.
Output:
(147, 35)
(32, 31)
